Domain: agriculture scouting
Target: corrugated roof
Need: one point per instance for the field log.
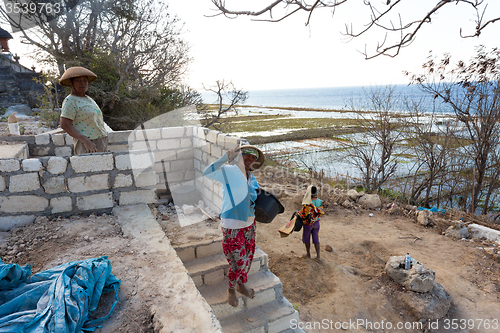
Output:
(4, 33)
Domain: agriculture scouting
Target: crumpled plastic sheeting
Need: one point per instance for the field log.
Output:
(57, 300)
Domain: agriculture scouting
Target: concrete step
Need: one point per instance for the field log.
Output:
(214, 269)
(266, 285)
(199, 249)
(271, 317)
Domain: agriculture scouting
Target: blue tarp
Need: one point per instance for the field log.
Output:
(57, 300)
(433, 209)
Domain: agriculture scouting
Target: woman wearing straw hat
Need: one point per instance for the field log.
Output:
(81, 117)
(239, 192)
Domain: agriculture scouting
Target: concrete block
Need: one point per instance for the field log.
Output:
(7, 223)
(120, 136)
(147, 178)
(63, 151)
(198, 280)
(167, 144)
(214, 277)
(122, 180)
(58, 139)
(212, 136)
(42, 139)
(202, 133)
(23, 204)
(260, 298)
(173, 177)
(189, 175)
(141, 161)
(231, 142)
(216, 151)
(205, 147)
(9, 165)
(92, 162)
(183, 154)
(186, 254)
(57, 165)
(95, 201)
(88, 183)
(118, 148)
(181, 165)
(148, 134)
(197, 154)
(41, 151)
(32, 165)
(55, 185)
(2, 184)
(255, 267)
(173, 132)
(221, 139)
(149, 145)
(186, 143)
(165, 155)
(123, 162)
(61, 205)
(284, 323)
(203, 251)
(24, 182)
(135, 197)
(69, 140)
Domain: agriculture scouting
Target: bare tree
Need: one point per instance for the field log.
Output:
(382, 130)
(384, 17)
(228, 97)
(472, 90)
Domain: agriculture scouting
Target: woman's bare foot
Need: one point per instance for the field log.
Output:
(307, 255)
(232, 299)
(248, 292)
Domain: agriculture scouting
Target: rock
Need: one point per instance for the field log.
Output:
(423, 217)
(418, 278)
(455, 233)
(458, 224)
(21, 109)
(371, 201)
(348, 204)
(431, 305)
(328, 248)
(353, 194)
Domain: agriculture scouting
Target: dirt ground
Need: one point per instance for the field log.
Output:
(349, 284)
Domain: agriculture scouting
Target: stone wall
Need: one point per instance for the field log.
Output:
(140, 164)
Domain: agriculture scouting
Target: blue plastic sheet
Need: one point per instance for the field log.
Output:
(58, 300)
(433, 209)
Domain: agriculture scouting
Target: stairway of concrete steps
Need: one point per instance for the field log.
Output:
(267, 312)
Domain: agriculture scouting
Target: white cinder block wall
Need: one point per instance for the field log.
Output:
(140, 163)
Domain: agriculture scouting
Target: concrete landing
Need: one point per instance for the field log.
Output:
(177, 305)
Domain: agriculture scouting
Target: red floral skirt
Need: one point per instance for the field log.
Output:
(239, 249)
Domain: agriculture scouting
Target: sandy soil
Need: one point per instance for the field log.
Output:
(349, 283)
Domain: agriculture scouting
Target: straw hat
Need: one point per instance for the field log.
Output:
(72, 72)
(260, 159)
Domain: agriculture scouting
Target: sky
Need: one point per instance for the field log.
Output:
(264, 55)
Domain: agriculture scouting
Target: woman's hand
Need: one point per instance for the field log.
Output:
(231, 154)
(89, 145)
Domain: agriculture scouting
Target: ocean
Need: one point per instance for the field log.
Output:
(342, 98)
